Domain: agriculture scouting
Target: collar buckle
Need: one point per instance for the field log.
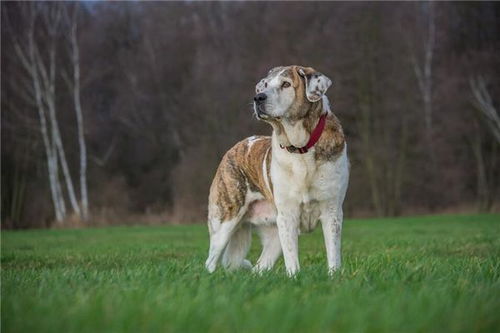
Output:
(315, 135)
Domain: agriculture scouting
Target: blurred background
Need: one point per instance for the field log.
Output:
(119, 113)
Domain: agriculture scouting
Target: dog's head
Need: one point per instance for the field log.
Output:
(288, 92)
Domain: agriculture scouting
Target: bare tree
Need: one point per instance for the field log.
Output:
(52, 19)
(43, 94)
(422, 66)
(27, 56)
(75, 86)
(484, 103)
(485, 176)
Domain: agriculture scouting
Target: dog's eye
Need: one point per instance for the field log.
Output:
(285, 84)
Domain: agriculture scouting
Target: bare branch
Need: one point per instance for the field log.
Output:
(483, 101)
(101, 161)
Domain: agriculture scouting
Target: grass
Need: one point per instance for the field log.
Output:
(428, 274)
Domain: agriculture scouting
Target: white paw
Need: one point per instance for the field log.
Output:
(210, 266)
(332, 270)
(292, 272)
(246, 264)
(257, 269)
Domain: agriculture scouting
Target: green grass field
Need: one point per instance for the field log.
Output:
(429, 274)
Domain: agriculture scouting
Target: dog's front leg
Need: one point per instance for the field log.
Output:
(331, 221)
(288, 230)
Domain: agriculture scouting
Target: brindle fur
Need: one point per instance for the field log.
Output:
(240, 171)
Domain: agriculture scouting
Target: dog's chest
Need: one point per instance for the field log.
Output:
(302, 178)
(302, 182)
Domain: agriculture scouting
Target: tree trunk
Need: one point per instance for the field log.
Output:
(57, 199)
(50, 100)
(79, 118)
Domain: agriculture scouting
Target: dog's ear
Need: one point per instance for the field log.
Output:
(316, 84)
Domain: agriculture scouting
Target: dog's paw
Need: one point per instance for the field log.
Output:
(257, 269)
(261, 269)
(246, 264)
(333, 270)
(210, 266)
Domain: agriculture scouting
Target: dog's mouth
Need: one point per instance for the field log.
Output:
(261, 114)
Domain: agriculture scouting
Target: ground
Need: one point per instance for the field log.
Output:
(427, 274)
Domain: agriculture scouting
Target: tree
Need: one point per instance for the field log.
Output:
(422, 66)
(486, 178)
(40, 64)
(75, 87)
(484, 103)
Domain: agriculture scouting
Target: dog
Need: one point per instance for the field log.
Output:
(283, 184)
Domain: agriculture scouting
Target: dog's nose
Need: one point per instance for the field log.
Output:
(259, 98)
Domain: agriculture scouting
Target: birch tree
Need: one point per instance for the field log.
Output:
(52, 19)
(74, 85)
(44, 22)
(27, 56)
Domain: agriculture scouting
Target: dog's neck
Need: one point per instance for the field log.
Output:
(296, 132)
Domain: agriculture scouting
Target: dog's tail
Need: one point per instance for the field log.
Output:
(237, 249)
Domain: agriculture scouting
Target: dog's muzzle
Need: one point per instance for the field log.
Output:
(259, 105)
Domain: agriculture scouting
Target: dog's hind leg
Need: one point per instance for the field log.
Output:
(271, 248)
(219, 239)
(237, 249)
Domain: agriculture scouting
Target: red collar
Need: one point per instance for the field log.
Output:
(315, 135)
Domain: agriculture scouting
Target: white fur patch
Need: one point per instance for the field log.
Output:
(278, 100)
(264, 170)
(316, 85)
(251, 141)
